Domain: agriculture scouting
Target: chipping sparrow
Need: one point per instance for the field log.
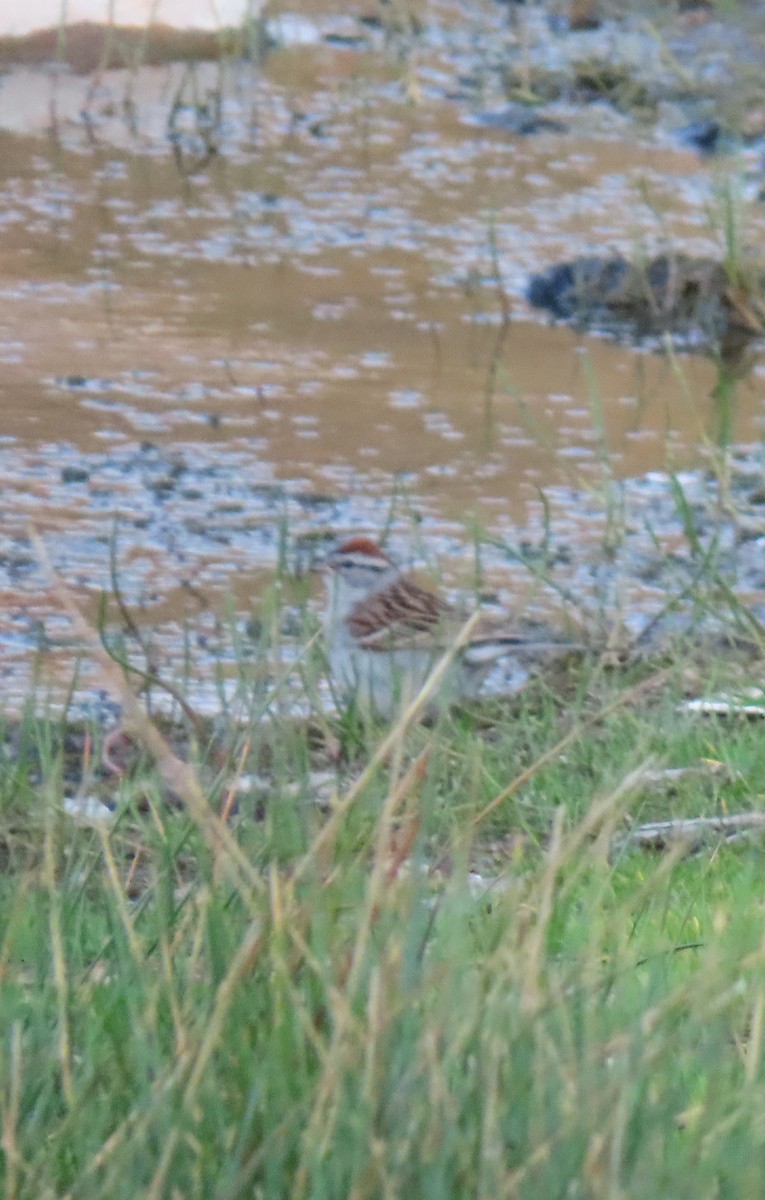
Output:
(385, 633)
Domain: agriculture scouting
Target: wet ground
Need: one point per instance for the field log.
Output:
(247, 306)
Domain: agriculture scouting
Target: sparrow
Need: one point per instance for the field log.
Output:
(385, 633)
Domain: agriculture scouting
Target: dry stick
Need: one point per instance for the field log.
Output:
(12, 1107)
(229, 799)
(408, 717)
(59, 969)
(658, 833)
(175, 773)
(572, 736)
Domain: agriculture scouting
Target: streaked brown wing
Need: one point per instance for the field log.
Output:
(396, 616)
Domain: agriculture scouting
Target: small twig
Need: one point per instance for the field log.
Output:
(229, 800)
(656, 835)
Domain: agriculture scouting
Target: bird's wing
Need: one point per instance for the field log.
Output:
(405, 616)
(399, 617)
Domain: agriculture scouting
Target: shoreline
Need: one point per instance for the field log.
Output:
(89, 46)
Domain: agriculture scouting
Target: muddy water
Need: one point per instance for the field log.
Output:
(322, 326)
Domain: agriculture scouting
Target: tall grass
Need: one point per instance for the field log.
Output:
(451, 984)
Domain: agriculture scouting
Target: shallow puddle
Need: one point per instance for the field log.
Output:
(320, 327)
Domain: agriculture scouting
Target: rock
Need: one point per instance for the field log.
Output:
(706, 135)
(74, 475)
(695, 298)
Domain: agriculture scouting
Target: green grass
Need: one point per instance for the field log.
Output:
(343, 1016)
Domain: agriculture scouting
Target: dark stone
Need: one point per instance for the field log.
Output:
(577, 288)
(671, 293)
(74, 475)
(344, 41)
(704, 135)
